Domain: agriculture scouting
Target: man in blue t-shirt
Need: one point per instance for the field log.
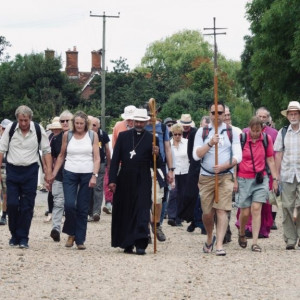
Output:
(166, 153)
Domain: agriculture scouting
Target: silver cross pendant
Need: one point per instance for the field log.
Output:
(132, 153)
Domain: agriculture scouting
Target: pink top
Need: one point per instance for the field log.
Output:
(119, 127)
(245, 168)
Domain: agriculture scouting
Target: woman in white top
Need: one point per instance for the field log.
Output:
(82, 161)
(179, 148)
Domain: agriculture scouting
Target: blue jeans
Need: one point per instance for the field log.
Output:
(21, 192)
(77, 195)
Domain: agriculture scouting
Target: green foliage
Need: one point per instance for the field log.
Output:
(35, 81)
(270, 63)
(3, 45)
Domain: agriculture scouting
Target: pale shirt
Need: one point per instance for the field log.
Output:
(23, 150)
(79, 157)
(224, 149)
(290, 164)
(181, 158)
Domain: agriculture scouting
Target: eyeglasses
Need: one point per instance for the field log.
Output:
(169, 125)
(64, 121)
(219, 113)
(227, 115)
(175, 134)
(94, 125)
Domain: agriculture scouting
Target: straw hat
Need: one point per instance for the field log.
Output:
(140, 114)
(186, 120)
(293, 106)
(128, 112)
(54, 125)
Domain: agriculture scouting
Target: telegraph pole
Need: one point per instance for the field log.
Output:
(216, 98)
(103, 71)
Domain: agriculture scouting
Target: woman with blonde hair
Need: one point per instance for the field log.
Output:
(80, 152)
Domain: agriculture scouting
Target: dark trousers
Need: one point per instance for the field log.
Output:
(77, 195)
(21, 192)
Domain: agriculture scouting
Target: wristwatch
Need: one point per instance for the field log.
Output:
(172, 169)
(96, 175)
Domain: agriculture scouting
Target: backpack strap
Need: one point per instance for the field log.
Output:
(70, 135)
(229, 134)
(243, 138)
(205, 132)
(39, 138)
(283, 133)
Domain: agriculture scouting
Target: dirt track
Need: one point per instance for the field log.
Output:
(179, 269)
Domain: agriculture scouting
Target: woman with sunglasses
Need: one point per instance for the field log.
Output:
(65, 120)
(179, 148)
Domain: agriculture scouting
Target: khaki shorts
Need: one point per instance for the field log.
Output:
(207, 192)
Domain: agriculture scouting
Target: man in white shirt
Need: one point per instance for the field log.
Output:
(229, 154)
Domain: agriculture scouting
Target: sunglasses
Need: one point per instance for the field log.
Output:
(169, 125)
(94, 125)
(64, 121)
(175, 134)
(219, 113)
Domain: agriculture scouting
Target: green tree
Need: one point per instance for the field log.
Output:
(36, 81)
(271, 61)
(3, 45)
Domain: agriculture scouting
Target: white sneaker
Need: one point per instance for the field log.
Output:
(107, 208)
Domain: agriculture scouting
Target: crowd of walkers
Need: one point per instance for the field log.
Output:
(198, 173)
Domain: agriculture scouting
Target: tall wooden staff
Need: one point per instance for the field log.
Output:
(216, 101)
(153, 120)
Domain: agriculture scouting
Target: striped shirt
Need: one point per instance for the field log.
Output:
(290, 164)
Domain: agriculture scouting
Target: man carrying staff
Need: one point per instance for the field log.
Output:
(132, 186)
(22, 172)
(229, 154)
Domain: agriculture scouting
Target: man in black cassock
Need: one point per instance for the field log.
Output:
(133, 154)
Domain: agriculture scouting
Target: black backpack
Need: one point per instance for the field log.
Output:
(283, 133)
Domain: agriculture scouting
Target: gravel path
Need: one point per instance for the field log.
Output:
(179, 269)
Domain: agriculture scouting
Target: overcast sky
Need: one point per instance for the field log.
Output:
(36, 25)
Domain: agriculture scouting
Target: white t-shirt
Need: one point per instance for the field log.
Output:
(79, 157)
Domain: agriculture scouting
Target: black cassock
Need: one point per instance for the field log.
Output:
(132, 199)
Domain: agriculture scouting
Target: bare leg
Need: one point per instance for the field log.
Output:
(222, 223)
(256, 220)
(244, 216)
(208, 221)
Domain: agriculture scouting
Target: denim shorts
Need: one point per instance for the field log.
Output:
(249, 191)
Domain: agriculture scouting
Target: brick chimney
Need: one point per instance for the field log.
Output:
(49, 53)
(96, 60)
(72, 63)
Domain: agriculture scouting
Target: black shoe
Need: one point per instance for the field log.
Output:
(203, 231)
(191, 227)
(227, 238)
(248, 234)
(290, 247)
(23, 245)
(55, 235)
(128, 250)
(274, 226)
(140, 251)
(96, 217)
(172, 222)
(3, 221)
(13, 242)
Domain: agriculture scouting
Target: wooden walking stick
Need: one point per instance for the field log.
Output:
(216, 100)
(153, 120)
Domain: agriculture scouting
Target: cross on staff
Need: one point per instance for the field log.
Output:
(215, 33)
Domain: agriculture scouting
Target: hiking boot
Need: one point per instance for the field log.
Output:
(3, 221)
(70, 241)
(159, 234)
